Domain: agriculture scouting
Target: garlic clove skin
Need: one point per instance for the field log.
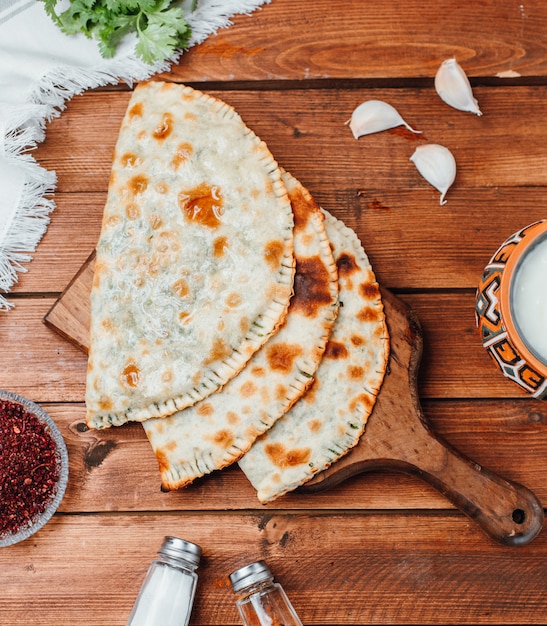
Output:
(374, 116)
(452, 85)
(437, 165)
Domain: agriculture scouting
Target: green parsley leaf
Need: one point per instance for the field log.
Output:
(159, 25)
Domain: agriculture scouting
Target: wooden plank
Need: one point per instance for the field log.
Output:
(70, 315)
(455, 365)
(447, 250)
(386, 445)
(439, 568)
(36, 361)
(116, 470)
(373, 41)
(308, 137)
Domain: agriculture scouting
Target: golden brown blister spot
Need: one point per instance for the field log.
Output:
(281, 392)
(220, 244)
(130, 375)
(248, 389)
(129, 159)
(346, 265)
(311, 391)
(363, 399)
(112, 220)
(232, 418)
(223, 438)
(356, 372)
(138, 184)
(244, 325)
(167, 376)
(282, 457)
(281, 356)
(311, 287)
(258, 371)
(251, 433)
(205, 409)
(336, 350)
(171, 445)
(233, 300)
(369, 291)
(314, 425)
(302, 206)
(273, 253)
(164, 128)
(136, 111)
(132, 211)
(105, 404)
(163, 461)
(155, 221)
(219, 352)
(182, 153)
(368, 314)
(180, 288)
(203, 205)
(184, 317)
(357, 340)
(162, 187)
(107, 324)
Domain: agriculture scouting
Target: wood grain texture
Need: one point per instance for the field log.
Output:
(382, 547)
(370, 184)
(397, 435)
(340, 568)
(374, 41)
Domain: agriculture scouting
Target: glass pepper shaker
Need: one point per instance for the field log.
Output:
(167, 592)
(260, 600)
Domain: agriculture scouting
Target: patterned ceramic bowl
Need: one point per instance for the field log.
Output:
(509, 307)
(33, 468)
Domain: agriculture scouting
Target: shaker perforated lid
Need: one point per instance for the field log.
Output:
(250, 575)
(180, 549)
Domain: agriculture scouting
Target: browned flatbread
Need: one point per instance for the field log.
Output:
(218, 430)
(195, 263)
(330, 418)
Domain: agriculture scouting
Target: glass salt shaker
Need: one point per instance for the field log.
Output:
(167, 592)
(260, 600)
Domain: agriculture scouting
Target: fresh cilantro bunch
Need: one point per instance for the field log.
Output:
(159, 25)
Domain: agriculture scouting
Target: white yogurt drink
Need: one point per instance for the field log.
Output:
(529, 299)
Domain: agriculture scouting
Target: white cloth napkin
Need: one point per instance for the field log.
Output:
(40, 69)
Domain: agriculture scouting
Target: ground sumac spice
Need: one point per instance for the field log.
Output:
(28, 467)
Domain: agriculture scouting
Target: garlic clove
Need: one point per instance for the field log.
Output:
(452, 85)
(437, 165)
(374, 116)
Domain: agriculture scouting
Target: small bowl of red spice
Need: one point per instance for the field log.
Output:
(33, 468)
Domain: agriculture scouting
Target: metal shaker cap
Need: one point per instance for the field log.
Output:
(180, 549)
(250, 575)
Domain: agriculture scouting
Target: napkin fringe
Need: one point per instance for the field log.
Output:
(26, 125)
(28, 226)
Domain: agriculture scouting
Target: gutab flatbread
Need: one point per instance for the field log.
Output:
(195, 263)
(218, 430)
(331, 417)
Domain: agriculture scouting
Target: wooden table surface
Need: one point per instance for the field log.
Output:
(380, 548)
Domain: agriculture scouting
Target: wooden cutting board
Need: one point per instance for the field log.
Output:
(397, 435)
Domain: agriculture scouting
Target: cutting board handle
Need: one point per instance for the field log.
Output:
(398, 437)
